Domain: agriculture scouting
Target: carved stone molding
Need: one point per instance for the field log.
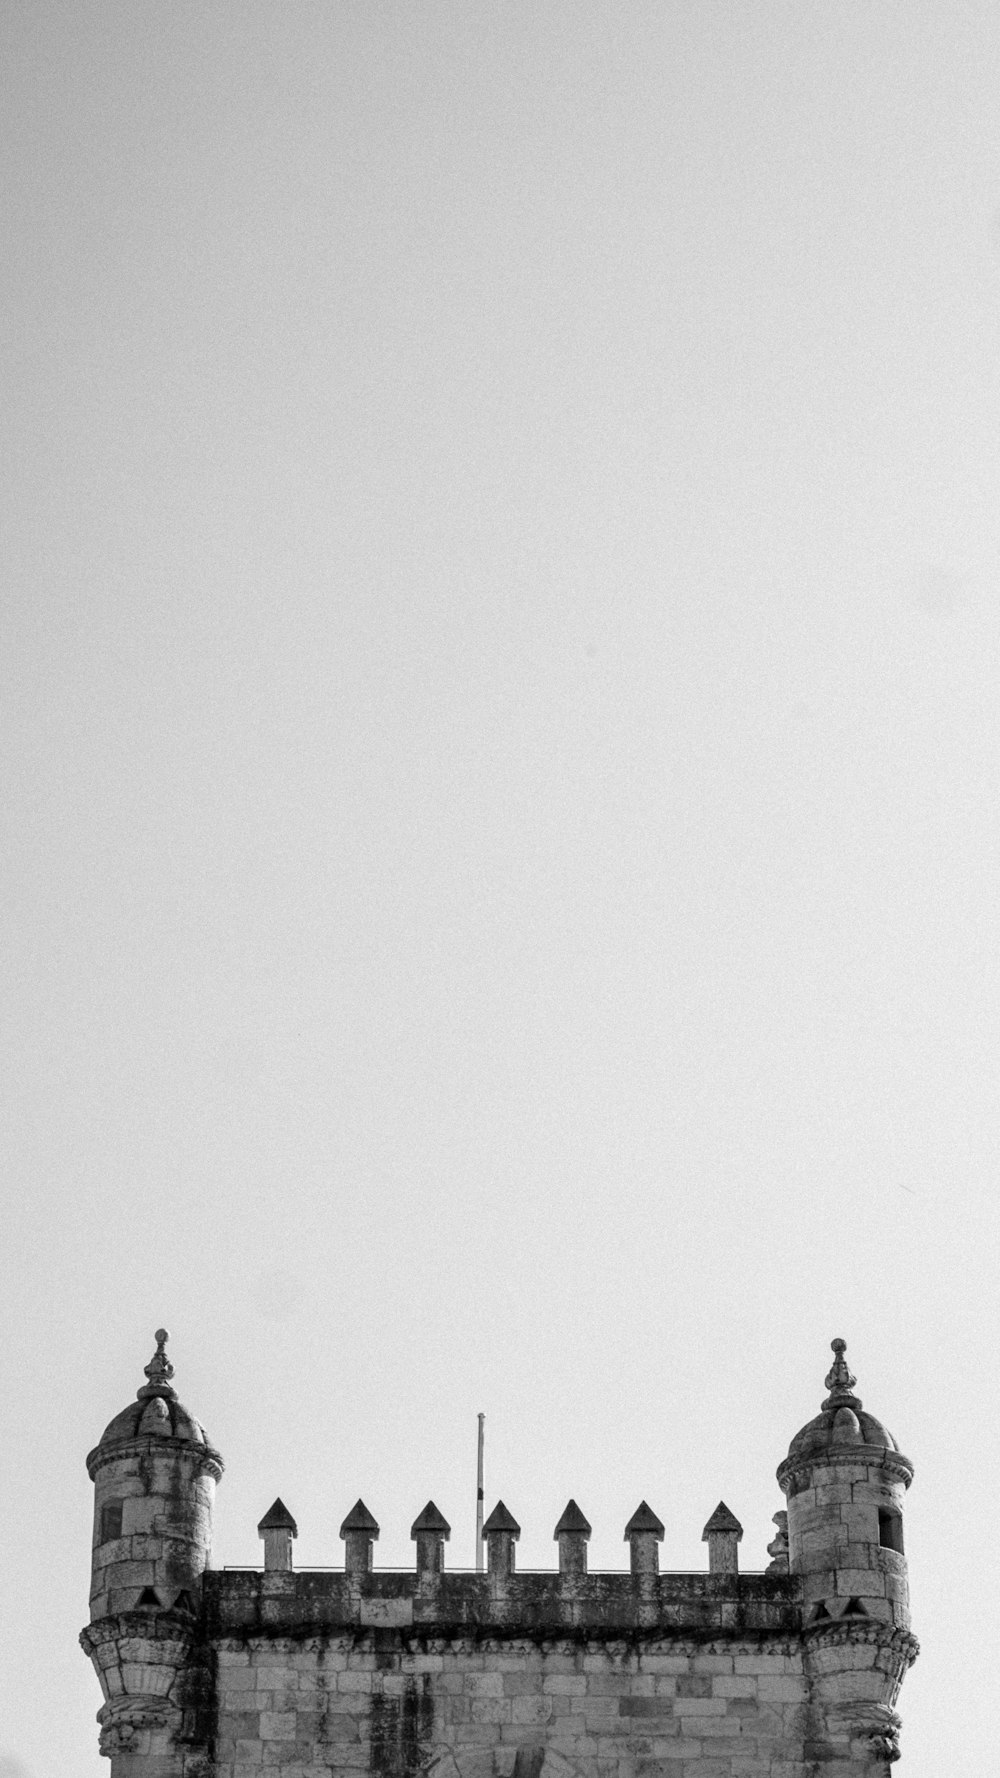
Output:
(837, 1632)
(124, 1721)
(798, 1472)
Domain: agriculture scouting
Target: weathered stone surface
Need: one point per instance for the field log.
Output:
(426, 1673)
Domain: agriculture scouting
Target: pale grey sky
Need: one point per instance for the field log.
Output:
(500, 775)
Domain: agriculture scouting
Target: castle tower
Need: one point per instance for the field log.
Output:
(154, 1474)
(845, 1479)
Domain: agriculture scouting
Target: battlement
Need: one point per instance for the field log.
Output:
(436, 1672)
(245, 1602)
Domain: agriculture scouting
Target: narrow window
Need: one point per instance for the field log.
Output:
(111, 1520)
(890, 1530)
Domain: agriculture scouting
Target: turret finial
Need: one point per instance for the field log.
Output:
(840, 1379)
(159, 1370)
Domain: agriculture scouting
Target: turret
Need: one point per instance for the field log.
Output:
(845, 1478)
(154, 1473)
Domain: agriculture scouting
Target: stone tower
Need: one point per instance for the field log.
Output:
(154, 1474)
(845, 1479)
(358, 1671)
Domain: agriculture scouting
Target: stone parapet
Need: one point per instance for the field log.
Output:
(243, 1601)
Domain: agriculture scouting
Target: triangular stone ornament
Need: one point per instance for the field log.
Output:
(722, 1520)
(819, 1613)
(644, 1522)
(359, 1519)
(572, 1523)
(854, 1608)
(431, 1521)
(278, 1518)
(501, 1520)
(148, 1597)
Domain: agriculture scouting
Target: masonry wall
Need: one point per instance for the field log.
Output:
(389, 1703)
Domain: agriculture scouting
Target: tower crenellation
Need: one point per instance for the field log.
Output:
(560, 1673)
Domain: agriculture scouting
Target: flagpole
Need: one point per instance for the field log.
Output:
(479, 1496)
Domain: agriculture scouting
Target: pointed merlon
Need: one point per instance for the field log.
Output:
(722, 1534)
(722, 1520)
(431, 1523)
(278, 1518)
(500, 1533)
(501, 1520)
(572, 1523)
(644, 1523)
(359, 1519)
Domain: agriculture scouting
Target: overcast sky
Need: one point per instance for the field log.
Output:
(500, 757)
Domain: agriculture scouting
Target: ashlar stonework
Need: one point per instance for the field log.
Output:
(792, 1673)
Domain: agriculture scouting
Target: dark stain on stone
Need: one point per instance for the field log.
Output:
(386, 1646)
(401, 1729)
(528, 1762)
(384, 1756)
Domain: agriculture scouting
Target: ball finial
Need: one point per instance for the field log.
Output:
(840, 1380)
(159, 1370)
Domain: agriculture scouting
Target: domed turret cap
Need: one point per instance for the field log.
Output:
(156, 1411)
(842, 1421)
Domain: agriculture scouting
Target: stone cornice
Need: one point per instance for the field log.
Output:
(878, 1456)
(837, 1632)
(438, 1640)
(206, 1459)
(140, 1626)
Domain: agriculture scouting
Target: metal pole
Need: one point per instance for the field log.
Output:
(479, 1497)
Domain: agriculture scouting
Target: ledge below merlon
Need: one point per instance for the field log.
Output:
(244, 1601)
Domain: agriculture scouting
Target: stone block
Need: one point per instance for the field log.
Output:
(708, 1727)
(695, 1685)
(531, 1709)
(340, 1728)
(833, 1493)
(496, 1710)
(238, 1679)
(481, 1734)
(782, 1688)
(277, 1725)
(863, 1583)
(608, 1684)
(517, 1685)
(734, 1685)
(484, 1685)
(344, 1703)
(354, 1682)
